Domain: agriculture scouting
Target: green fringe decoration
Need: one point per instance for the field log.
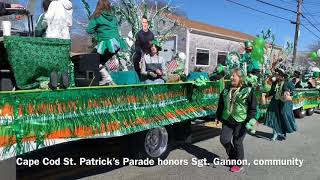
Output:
(38, 116)
(114, 111)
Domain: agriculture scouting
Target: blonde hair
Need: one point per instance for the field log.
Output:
(239, 73)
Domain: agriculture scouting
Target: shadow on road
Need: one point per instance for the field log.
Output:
(93, 148)
(97, 148)
(199, 152)
(262, 135)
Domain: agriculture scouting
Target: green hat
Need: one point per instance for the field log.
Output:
(157, 43)
(248, 44)
(315, 74)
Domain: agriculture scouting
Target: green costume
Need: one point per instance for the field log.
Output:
(252, 64)
(105, 28)
(279, 115)
(237, 104)
(236, 107)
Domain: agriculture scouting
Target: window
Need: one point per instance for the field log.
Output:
(202, 57)
(222, 56)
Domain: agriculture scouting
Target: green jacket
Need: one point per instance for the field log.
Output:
(242, 108)
(105, 27)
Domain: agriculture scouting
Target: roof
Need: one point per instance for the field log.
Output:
(209, 28)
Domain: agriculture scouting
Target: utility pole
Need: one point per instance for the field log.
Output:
(296, 36)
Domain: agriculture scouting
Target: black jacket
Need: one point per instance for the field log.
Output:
(143, 41)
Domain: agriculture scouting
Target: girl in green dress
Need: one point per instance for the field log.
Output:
(104, 25)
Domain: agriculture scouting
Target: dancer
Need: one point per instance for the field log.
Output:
(279, 114)
(104, 25)
(237, 106)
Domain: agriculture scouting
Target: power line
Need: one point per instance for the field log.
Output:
(276, 16)
(310, 31)
(314, 19)
(279, 7)
(311, 23)
(286, 2)
(261, 11)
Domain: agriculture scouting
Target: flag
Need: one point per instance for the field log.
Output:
(172, 65)
(112, 64)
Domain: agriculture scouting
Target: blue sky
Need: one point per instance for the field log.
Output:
(228, 15)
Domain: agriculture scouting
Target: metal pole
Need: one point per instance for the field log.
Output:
(296, 36)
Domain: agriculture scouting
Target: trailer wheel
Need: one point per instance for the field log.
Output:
(310, 111)
(153, 144)
(300, 113)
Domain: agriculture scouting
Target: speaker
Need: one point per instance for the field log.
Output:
(6, 80)
(86, 69)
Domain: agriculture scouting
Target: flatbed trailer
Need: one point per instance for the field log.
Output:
(151, 116)
(34, 119)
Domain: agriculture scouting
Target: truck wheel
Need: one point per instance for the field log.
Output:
(310, 111)
(300, 113)
(153, 144)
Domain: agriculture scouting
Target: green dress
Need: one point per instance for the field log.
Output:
(279, 115)
(106, 30)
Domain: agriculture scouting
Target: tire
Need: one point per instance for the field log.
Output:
(152, 144)
(300, 113)
(310, 111)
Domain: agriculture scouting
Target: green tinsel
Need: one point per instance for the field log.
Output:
(39, 113)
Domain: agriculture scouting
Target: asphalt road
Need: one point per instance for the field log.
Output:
(303, 145)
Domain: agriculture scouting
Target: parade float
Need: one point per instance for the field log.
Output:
(37, 118)
(151, 116)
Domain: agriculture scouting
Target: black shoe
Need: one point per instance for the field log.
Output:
(64, 81)
(53, 84)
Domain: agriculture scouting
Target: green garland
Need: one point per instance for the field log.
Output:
(39, 115)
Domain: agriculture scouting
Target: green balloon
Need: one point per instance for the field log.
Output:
(259, 42)
(313, 56)
(257, 53)
(261, 60)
